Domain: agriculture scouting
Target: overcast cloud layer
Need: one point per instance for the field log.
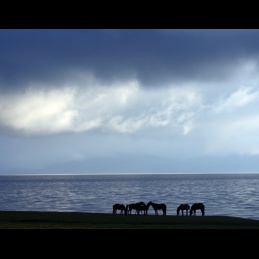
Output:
(129, 101)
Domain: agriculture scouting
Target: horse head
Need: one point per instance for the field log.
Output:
(178, 210)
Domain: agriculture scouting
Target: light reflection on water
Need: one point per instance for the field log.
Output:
(223, 194)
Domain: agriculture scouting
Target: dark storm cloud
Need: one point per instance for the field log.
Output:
(152, 56)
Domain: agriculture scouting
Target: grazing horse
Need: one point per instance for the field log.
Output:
(120, 207)
(183, 207)
(143, 208)
(197, 206)
(157, 206)
(135, 206)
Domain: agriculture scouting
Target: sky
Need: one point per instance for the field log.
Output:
(108, 101)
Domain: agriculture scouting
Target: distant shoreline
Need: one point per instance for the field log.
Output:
(106, 174)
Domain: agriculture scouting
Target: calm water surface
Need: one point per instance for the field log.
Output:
(223, 194)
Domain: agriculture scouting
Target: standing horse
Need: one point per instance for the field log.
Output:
(157, 206)
(183, 207)
(197, 206)
(120, 207)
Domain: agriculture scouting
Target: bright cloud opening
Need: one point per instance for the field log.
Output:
(124, 107)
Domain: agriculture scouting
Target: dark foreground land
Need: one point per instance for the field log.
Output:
(78, 220)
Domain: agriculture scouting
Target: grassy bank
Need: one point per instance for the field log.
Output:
(77, 220)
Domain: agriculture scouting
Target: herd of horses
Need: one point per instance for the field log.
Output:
(141, 208)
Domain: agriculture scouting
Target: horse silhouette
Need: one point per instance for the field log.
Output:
(142, 208)
(120, 207)
(197, 206)
(157, 206)
(183, 207)
(135, 206)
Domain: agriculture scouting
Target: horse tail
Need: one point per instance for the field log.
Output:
(165, 211)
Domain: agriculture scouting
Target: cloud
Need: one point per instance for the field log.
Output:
(237, 100)
(153, 57)
(124, 107)
(229, 125)
(71, 97)
(38, 111)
